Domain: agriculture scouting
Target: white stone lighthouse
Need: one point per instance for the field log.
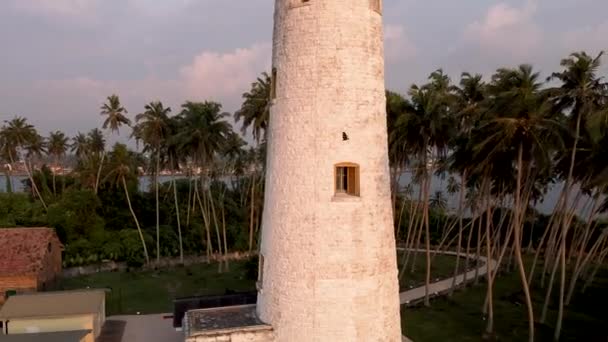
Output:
(328, 267)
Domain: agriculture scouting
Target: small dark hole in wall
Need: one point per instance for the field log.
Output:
(344, 136)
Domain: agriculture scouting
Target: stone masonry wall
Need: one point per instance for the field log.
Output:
(330, 271)
(236, 336)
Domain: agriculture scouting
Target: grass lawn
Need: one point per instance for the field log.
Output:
(442, 267)
(153, 291)
(460, 318)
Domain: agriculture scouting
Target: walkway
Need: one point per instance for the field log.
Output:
(444, 286)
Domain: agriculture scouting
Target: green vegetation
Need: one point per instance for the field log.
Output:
(460, 319)
(442, 268)
(150, 292)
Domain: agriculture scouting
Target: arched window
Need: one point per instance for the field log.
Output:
(347, 179)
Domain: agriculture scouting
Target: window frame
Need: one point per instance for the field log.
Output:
(347, 175)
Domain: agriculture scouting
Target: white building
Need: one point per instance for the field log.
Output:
(328, 260)
(328, 269)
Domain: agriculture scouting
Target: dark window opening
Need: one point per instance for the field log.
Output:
(273, 84)
(260, 281)
(49, 247)
(376, 5)
(347, 179)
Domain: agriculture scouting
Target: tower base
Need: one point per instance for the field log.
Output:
(227, 324)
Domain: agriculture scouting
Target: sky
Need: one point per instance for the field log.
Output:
(60, 59)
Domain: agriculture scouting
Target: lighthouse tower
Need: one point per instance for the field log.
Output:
(328, 262)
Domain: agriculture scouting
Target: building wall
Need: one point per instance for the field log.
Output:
(330, 271)
(81, 322)
(51, 266)
(22, 284)
(236, 336)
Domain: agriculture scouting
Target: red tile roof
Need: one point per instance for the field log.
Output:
(22, 250)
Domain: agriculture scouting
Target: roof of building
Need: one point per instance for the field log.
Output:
(23, 249)
(53, 304)
(63, 336)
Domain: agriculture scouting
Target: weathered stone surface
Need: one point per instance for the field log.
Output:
(330, 271)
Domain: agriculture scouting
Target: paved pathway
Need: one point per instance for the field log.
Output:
(443, 286)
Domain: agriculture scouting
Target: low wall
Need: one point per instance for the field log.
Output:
(112, 266)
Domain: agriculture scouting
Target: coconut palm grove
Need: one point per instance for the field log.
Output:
(471, 160)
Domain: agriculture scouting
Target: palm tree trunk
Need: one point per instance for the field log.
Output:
(598, 264)
(478, 249)
(156, 186)
(427, 233)
(215, 221)
(205, 221)
(530, 244)
(543, 315)
(577, 270)
(190, 196)
(562, 282)
(490, 324)
(538, 249)
(469, 238)
(460, 227)
(519, 213)
(34, 187)
(54, 171)
(103, 157)
(399, 219)
(225, 238)
(588, 233)
(252, 211)
(179, 225)
(416, 230)
(141, 235)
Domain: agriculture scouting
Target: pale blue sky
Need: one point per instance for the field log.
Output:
(60, 58)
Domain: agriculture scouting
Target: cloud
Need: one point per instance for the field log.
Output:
(398, 45)
(56, 7)
(213, 76)
(506, 29)
(220, 75)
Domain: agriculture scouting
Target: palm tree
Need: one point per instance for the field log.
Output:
(80, 145)
(7, 152)
(115, 114)
(152, 129)
(255, 110)
(123, 166)
(582, 93)
(519, 125)
(438, 201)
(19, 136)
(424, 128)
(203, 133)
(468, 102)
(57, 147)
